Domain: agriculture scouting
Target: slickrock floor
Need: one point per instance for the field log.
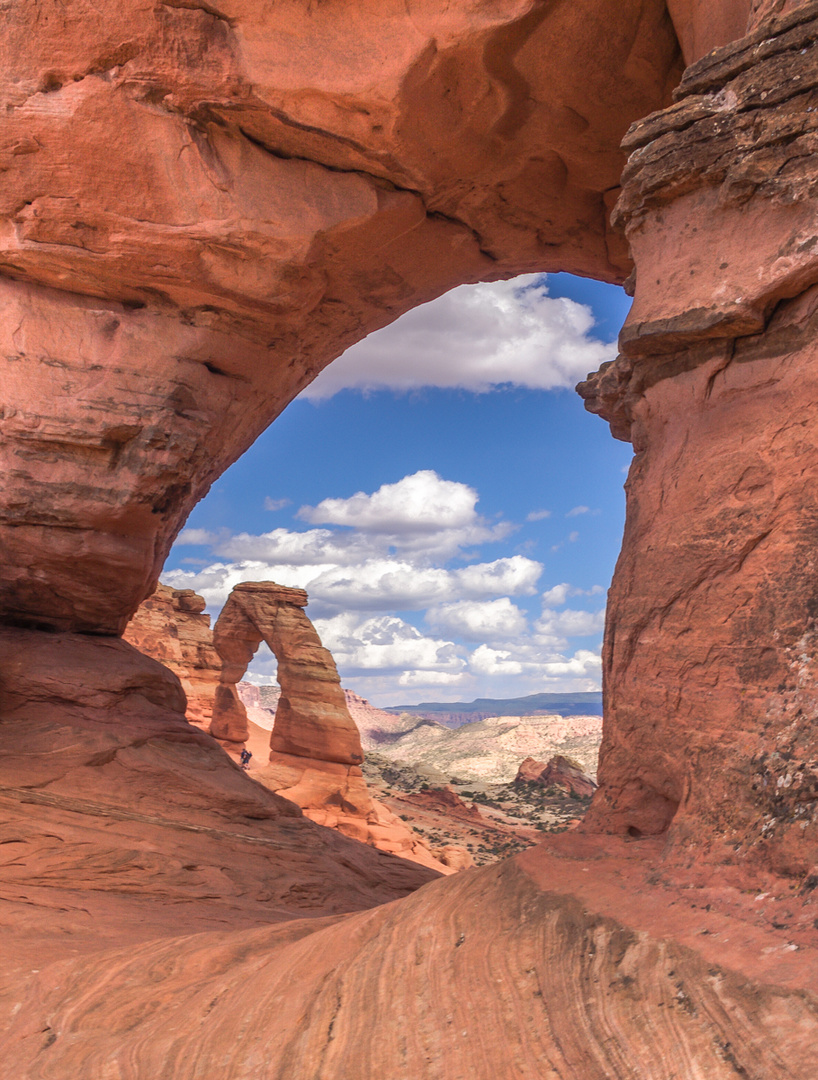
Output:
(596, 969)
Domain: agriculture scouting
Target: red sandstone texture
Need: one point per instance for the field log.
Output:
(115, 810)
(171, 627)
(560, 771)
(312, 720)
(709, 729)
(217, 201)
(606, 975)
(201, 207)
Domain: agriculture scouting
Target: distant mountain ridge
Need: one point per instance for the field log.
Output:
(455, 713)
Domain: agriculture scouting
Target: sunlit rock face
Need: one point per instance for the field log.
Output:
(171, 626)
(312, 719)
(710, 641)
(547, 965)
(315, 747)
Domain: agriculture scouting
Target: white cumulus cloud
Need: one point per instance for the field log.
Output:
(485, 621)
(422, 502)
(385, 644)
(275, 504)
(370, 560)
(475, 337)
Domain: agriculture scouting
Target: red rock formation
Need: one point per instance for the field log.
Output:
(446, 800)
(119, 818)
(559, 770)
(312, 720)
(703, 25)
(171, 627)
(612, 978)
(711, 618)
(217, 201)
(201, 207)
(315, 751)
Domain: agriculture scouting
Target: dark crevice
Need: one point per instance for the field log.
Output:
(282, 155)
(197, 5)
(216, 370)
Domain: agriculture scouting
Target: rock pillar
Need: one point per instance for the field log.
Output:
(171, 626)
(710, 655)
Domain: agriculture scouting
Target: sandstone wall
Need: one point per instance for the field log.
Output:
(709, 644)
(171, 626)
(218, 201)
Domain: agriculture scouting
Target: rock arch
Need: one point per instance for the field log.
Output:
(202, 206)
(312, 719)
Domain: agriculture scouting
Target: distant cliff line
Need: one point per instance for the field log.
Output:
(455, 713)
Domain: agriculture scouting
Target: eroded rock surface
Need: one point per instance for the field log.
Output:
(608, 977)
(171, 626)
(121, 821)
(200, 207)
(312, 720)
(710, 636)
(218, 200)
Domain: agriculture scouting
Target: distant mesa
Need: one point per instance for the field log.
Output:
(487, 751)
(455, 713)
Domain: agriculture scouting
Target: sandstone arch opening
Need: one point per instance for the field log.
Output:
(312, 720)
(202, 207)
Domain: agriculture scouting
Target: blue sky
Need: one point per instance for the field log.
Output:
(440, 491)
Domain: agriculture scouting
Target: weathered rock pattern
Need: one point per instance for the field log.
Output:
(217, 201)
(200, 207)
(709, 646)
(593, 973)
(121, 821)
(171, 626)
(560, 770)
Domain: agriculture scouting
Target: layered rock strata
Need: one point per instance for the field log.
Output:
(594, 974)
(202, 206)
(217, 201)
(121, 821)
(710, 639)
(171, 626)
